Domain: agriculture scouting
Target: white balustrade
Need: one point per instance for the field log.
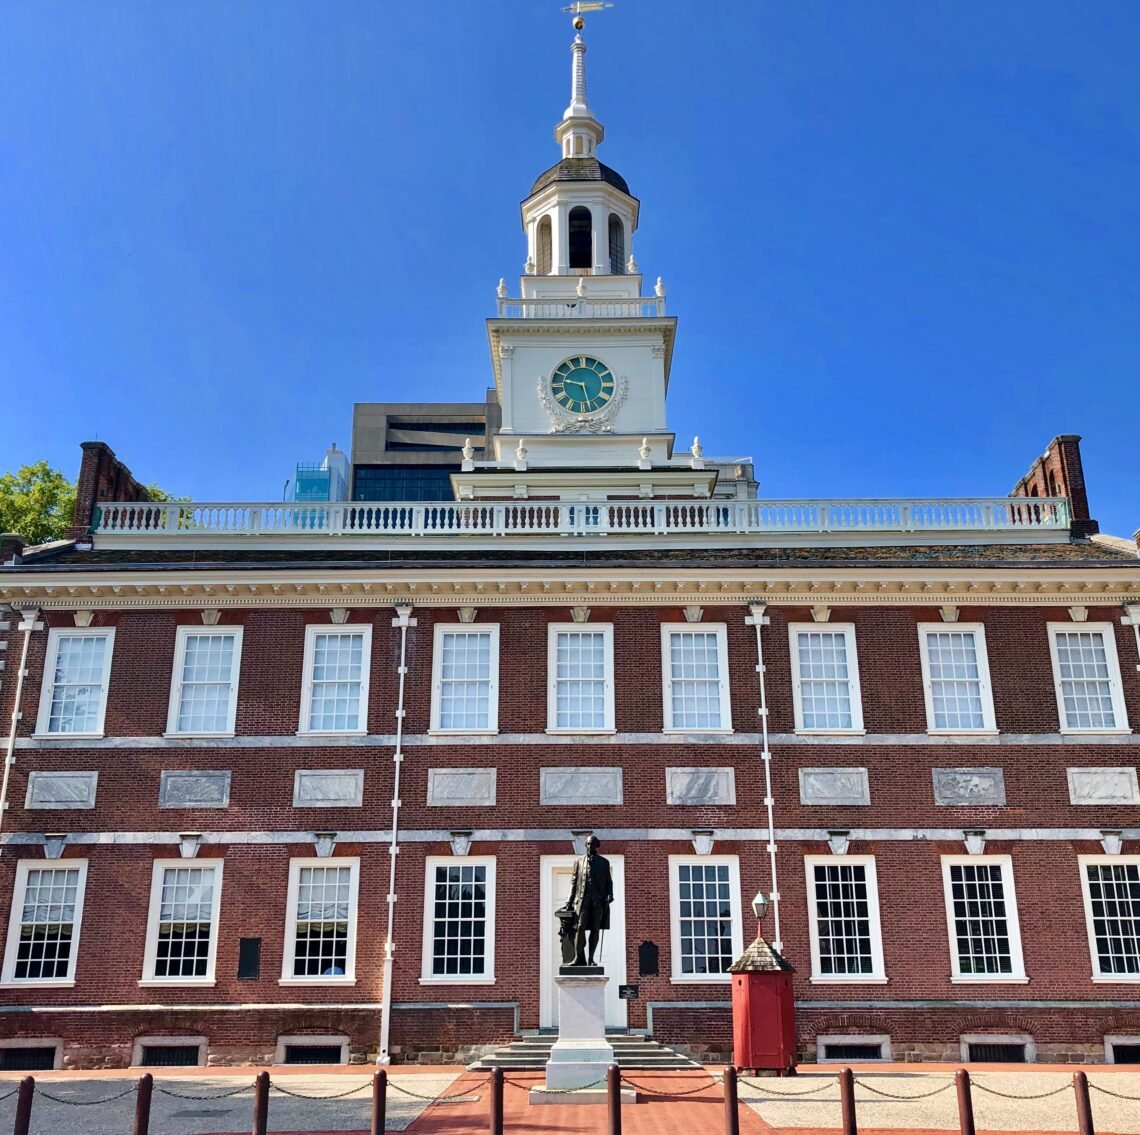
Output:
(497, 518)
(644, 307)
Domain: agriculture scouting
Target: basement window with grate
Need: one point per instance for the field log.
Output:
(314, 1054)
(1125, 1052)
(33, 1058)
(850, 1051)
(170, 1056)
(998, 1052)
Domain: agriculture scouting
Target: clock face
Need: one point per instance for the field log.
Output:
(582, 385)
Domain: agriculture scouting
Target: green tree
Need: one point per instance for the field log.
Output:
(36, 501)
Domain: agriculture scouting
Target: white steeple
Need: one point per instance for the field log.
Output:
(579, 132)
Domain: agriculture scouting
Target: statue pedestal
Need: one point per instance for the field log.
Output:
(576, 1070)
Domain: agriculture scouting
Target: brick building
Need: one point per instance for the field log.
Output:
(285, 776)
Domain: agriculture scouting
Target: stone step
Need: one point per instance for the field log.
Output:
(629, 1051)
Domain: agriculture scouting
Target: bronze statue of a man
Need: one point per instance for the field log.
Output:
(591, 892)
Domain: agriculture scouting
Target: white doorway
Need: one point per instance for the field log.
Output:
(555, 890)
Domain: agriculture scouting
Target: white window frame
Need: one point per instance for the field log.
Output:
(184, 632)
(311, 632)
(878, 975)
(854, 689)
(606, 630)
(1016, 976)
(428, 946)
(23, 867)
(442, 629)
(289, 952)
(978, 630)
(47, 685)
(1116, 689)
(721, 632)
(675, 862)
(150, 952)
(1085, 861)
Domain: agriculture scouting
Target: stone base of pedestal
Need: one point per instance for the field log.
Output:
(579, 1063)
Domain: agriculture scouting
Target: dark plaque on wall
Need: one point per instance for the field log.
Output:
(629, 992)
(249, 958)
(647, 965)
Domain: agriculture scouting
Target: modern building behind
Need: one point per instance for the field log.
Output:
(292, 782)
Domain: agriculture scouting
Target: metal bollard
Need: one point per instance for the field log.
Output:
(261, 1103)
(731, 1108)
(965, 1102)
(496, 1101)
(1084, 1104)
(847, 1101)
(142, 1104)
(379, 1101)
(613, 1098)
(24, 1106)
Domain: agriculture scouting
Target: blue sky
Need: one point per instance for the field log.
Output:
(902, 239)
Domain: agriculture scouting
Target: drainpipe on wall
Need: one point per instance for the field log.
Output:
(403, 620)
(759, 620)
(28, 623)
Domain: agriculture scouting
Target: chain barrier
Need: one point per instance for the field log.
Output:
(671, 1095)
(9, 1095)
(40, 1093)
(898, 1096)
(199, 1099)
(466, 1093)
(333, 1096)
(556, 1091)
(1010, 1096)
(788, 1095)
(1109, 1092)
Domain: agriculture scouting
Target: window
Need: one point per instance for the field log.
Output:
(73, 698)
(580, 667)
(825, 678)
(1087, 677)
(312, 1049)
(706, 928)
(695, 670)
(203, 691)
(617, 246)
(459, 920)
(981, 913)
(47, 912)
(1111, 886)
(320, 923)
(844, 1048)
(843, 918)
(956, 678)
(465, 680)
(581, 237)
(335, 694)
(182, 928)
(545, 247)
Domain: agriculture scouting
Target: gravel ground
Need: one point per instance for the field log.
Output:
(940, 1112)
(204, 1115)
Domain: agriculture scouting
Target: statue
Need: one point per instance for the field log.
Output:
(587, 910)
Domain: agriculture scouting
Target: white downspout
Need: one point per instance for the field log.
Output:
(759, 620)
(403, 620)
(27, 624)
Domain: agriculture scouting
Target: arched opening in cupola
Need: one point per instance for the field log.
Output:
(545, 251)
(617, 246)
(581, 234)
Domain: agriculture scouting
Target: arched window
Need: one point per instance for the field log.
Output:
(1053, 484)
(617, 246)
(545, 246)
(581, 238)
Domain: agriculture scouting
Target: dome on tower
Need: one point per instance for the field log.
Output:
(580, 169)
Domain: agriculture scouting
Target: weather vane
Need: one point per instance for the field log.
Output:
(580, 6)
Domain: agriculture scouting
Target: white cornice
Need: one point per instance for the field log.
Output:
(359, 586)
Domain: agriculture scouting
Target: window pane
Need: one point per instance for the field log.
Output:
(459, 931)
(323, 898)
(955, 680)
(694, 672)
(465, 680)
(579, 680)
(843, 919)
(825, 681)
(77, 687)
(1086, 685)
(337, 681)
(705, 918)
(185, 916)
(1114, 894)
(47, 924)
(207, 675)
(981, 928)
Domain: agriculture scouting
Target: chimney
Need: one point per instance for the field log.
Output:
(1058, 472)
(102, 477)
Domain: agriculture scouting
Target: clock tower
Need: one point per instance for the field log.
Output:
(580, 356)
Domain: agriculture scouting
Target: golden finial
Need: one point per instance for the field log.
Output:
(580, 6)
